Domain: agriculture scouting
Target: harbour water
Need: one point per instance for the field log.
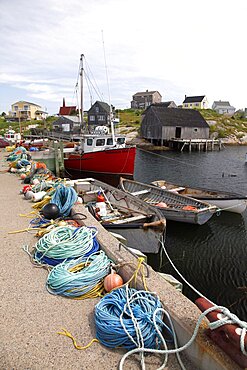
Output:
(212, 257)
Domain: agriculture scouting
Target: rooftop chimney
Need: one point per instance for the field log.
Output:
(63, 102)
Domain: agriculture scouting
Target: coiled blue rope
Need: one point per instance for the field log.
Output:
(66, 242)
(64, 197)
(124, 318)
(85, 280)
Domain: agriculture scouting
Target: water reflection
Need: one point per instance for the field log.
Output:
(212, 257)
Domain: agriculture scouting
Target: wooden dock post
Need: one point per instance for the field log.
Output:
(55, 147)
(61, 159)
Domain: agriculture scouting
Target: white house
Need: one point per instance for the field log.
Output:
(223, 107)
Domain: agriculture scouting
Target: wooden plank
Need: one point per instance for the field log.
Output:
(140, 192)
(129, 219)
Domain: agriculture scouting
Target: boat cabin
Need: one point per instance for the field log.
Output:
(12, 136)
(94, 143)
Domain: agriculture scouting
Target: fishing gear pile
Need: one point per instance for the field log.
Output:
(66, 242)
(80, 278)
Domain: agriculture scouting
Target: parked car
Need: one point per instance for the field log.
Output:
(3, 142)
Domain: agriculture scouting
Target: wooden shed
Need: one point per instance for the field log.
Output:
(160, 125)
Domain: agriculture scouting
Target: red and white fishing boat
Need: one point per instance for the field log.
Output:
(100, 150)
(106, 158)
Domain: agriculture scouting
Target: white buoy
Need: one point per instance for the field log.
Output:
(29, 194)
(38, 196)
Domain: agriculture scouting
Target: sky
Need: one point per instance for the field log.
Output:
(175, 47)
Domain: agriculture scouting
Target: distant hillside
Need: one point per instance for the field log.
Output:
(232, 129)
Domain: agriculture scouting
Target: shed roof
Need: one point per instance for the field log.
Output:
(222, 103)
(26, 102)
(193, 99)
(178, 117)
(65, 111)
(68, 119)
(146, 93)
(164, 104)
(103, 105)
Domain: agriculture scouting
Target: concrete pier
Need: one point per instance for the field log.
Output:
(31, 317)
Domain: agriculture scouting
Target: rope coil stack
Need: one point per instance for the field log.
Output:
(66, 242)
(80, 278)
(124, 318)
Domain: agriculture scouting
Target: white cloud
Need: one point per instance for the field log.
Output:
(175, 46)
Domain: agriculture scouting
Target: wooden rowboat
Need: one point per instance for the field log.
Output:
(225, 201)
(173, 206)
(141, 225)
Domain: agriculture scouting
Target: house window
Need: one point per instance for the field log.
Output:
(89, 142)
(101, 118)
(26, 107)
(97, 109)
(91, 118)
(186, 105)
(100, 142)
(191, 105)
(16, 107)
(109, 141)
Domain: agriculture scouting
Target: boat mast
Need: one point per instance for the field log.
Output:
(81, 82)
(109, 97)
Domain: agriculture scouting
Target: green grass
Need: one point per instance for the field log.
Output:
(130, 120)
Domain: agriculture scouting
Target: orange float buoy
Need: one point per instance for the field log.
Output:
(113, 280)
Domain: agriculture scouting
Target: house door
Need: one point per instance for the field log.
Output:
(178, 133)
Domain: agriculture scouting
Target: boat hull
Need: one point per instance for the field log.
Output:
(187, 217)
(225, 201)
(111, 161)
(47, 157)
(229, 205)
(142, 226)
(173, 206)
